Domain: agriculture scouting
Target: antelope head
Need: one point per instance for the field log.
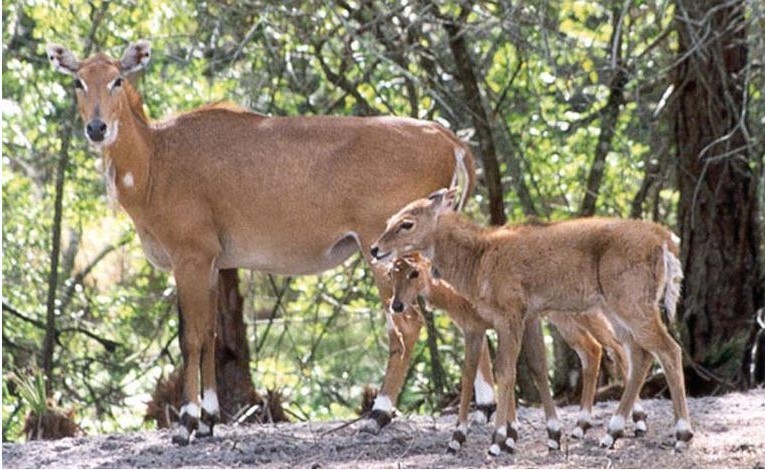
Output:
(412, 228)
(409, 276)
(100, 84)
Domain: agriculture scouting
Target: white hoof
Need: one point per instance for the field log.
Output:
(494, 449)
(510, 443)
(454, 445)
(577, 433)
(641, 426)
(607, 441)
(552, 444)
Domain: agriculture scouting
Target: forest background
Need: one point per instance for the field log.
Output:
(650, 109)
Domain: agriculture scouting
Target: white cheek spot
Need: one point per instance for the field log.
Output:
(210, 402)
(383, 403)
(484, 392)
(127, 180)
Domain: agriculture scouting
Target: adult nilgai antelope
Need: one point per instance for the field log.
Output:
(512, 274)
(587, 333)
(221, 187)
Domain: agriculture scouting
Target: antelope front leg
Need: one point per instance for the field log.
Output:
(475, 341)
(403, 332)
(196, 294)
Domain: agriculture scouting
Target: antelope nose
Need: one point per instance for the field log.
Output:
(397, 306)
(96, 130)
(375, 249)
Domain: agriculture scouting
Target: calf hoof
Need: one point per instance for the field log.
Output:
(554, 435)
(377, 420)
(609, 439)
(581, 429)
(641, 427)
(455, 444)
(484, 412)
(682, 439)
(504, 441)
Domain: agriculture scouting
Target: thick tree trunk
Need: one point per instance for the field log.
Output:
(718, 204)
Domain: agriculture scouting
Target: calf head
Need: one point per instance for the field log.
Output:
(412, 228)
(409, 276)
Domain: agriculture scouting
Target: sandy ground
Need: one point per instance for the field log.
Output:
(729, 432)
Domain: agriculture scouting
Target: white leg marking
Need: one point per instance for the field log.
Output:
(616, 425)
(383, 403)
(191, 409)
(641, 426)
(494, 449)
(210, 402)
(682, 425)
(637, 408)
(203, 429)
(454, 445)
(584, 415)
(554, 425)
(484, 392)
(577, 433)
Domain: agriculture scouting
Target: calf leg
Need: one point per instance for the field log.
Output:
(638, 365)
(506, 431)
(536, 355)
(474, 343)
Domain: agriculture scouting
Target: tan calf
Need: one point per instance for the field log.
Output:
(512, 274)
(221, 187)
(411, 276)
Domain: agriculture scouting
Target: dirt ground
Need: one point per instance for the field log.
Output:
(729, 432)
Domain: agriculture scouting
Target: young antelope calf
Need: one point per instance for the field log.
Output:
(512, 274)
(411, 276)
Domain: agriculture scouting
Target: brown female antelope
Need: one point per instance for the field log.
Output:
(221, 187)
(621, 267)
(411, 276)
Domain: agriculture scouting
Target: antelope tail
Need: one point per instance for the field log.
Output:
(465, 167)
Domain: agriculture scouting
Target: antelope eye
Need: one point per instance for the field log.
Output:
(78, 84)
(117, 82)
(414, 275)
(407, 225)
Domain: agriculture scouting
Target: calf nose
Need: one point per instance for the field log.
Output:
(375, 249)
(96, 130)
(397, 306)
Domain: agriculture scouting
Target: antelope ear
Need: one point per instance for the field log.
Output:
(136, 57)
(443, 199)
(62, 59)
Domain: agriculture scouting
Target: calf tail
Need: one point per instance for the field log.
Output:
(673, 278)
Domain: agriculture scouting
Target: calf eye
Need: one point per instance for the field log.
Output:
(414, 275)
(407, 225)
(78, 84)
(117, 82)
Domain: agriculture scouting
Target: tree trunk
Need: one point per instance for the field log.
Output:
(455, 29)
(232, 367)
(718, 205)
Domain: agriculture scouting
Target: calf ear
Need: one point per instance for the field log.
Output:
(443, 199)
(62, 59)
(136, 57)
